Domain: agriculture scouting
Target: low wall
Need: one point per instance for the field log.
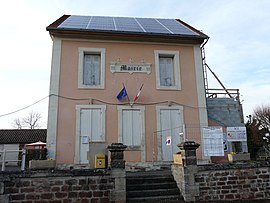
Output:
(239, 181)
(227, 182)
(85, 186)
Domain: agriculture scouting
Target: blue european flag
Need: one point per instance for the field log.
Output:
(122, 94)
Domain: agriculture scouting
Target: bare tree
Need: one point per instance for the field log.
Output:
(17, 123)
(31, 121)
(262, 116)
(258, 128)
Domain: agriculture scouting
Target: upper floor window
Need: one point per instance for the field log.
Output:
(91, 68)
(167, 70)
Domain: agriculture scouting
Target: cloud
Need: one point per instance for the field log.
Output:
(238, 50)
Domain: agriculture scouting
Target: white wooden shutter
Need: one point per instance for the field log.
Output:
(127, 127)
(170, 127)
(91, 69)
(96, 122)
(137, 127)
(86, 122)
(131, 127)
(91, 124)
(176, 128)
(165, 134)
(84, 135)
(166, 71)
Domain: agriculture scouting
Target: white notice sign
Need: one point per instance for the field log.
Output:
(85, 139)
(236, 134)
(213, 141)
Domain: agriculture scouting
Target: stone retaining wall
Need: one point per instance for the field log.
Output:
(240, 181)
(85, 186)
(227, 182)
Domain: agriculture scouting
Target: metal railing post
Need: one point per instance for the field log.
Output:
(4, 160)
(23, 160)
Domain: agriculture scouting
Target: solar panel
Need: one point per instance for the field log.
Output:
(78, 22)
(176, 27)
(152, 26)
(127, 24)
(101, 23)
(123, 24)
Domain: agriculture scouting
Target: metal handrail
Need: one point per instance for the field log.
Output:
(214, 93)
(3, 161)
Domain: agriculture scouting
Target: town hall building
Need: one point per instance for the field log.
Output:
(136, 81)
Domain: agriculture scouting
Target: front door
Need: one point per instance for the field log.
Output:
(170, 132)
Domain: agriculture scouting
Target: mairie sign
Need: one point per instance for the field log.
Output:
(130, 68)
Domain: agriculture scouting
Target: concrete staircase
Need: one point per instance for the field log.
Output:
(152, 186)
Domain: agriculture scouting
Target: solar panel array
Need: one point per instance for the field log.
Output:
(125, 24)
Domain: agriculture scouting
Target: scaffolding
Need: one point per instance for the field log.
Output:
(215, 92)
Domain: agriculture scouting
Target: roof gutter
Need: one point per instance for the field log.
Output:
(99, 35)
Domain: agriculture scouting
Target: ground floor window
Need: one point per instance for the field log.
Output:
(90, 121)
(131, 126)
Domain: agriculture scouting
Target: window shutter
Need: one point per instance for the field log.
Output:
(96, 123)
(86, 122)
(137, 128)
(91, 69)
(131, 127)
(127, 127)
(166, 71)
(91, 124)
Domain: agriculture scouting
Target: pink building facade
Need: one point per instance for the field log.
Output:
(90, 66)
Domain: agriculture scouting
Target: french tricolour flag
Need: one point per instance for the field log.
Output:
(137, 96)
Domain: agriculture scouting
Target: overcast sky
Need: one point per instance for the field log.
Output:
(238, 50)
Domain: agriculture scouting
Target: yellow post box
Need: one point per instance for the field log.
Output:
(100, 161)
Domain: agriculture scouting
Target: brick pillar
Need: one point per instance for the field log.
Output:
(118, 172)
(188, 152)
(117, 155)
(184, 173)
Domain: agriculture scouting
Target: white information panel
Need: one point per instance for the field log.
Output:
(213, 141)
(236, 134)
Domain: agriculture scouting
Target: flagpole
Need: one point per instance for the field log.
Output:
(127, 93)
(141, 87)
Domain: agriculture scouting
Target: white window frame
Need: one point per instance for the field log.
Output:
(120, 121)
(82, 52)
(176, 65)
(78, 126)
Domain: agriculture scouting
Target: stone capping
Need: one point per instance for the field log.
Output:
(42, 164)
(237, 165)
(188, 145)
(53, 173)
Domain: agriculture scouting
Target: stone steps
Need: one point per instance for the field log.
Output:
(152, 186)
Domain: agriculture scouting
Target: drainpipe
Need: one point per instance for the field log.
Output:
(204, 43)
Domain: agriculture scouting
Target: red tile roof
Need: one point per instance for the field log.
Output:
(22, 136)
